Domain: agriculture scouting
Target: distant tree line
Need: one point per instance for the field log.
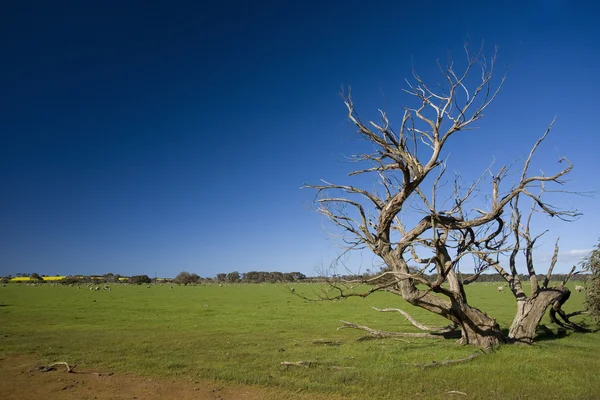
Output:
(183, 278)
(186, 278)
(271, 277)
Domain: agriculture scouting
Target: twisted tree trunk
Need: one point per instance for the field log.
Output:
(530, 312)
(477, 328)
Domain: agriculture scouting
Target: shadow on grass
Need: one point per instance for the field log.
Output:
(545, 333)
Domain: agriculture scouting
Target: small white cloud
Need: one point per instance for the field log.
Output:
(569, 256)
(577, 253)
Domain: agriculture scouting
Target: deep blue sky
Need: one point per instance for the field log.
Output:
(156, 137)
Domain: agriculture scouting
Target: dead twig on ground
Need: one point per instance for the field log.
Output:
(52, 367)
(304, 364)
(307, 364)
(447, 362)
(327, 342)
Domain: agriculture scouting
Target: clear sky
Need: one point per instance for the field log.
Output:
(155, 137)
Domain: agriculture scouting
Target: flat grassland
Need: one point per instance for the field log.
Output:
(241, 333)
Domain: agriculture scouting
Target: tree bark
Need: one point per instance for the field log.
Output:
(477, 328)
(530, 312)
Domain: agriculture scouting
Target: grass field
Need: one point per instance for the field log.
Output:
(241, 333)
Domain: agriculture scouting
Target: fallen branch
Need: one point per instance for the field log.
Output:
(327, 342)
(369, 337)
(446, 362)
(304, 364)
(52, 367)
(422, 327)
(307, 364)
(383, 334)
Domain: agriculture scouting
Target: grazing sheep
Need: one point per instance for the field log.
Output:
(579, 288)
(148, 287)
(501, 289)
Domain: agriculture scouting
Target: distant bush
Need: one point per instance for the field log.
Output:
(71, 280)
(592, 293)
(185, 278)
(140, 279)
(233, 277)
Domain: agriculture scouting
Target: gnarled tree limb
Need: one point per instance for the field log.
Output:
(383, 334)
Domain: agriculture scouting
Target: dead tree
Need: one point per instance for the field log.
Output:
(531, 308)
(409, 164)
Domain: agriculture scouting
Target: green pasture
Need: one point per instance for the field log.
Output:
(241, 333)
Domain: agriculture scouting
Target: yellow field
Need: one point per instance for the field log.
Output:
(45, 278)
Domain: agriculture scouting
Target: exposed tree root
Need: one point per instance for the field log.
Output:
(422, 327)
(447, 362)
(383, 334)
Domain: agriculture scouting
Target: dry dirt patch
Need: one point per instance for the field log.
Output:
(21, 378)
